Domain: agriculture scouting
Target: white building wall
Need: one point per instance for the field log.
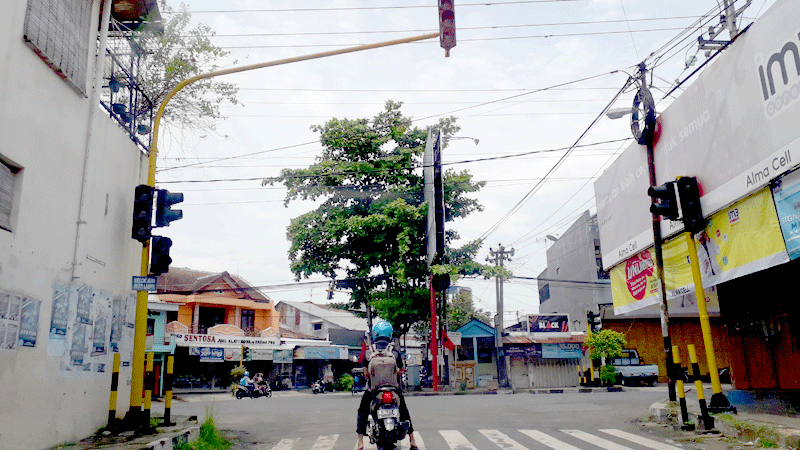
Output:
(43, 129)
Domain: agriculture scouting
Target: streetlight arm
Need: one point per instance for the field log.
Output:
(151, 175)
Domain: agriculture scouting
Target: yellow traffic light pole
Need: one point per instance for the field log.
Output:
(718, 400)
(137, 365)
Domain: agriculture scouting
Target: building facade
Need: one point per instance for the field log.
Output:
(68, 169)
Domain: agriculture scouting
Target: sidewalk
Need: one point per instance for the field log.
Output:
(761, 416)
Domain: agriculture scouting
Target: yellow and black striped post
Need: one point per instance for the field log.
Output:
(168, 391)
(582, 376)
(112, 402)
(708, 421)
(149, 381)
(676, 359)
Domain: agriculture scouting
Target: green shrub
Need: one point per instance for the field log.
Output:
(344, 383)
(608, 374)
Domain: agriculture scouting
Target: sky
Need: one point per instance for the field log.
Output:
(526, 77)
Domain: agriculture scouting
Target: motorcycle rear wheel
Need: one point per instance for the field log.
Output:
(238, 395)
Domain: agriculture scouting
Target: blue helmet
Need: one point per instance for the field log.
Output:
(246, 373)
(382, 330)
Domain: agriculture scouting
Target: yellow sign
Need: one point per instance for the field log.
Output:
(739, 240)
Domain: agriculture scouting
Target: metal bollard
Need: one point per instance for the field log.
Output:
(149, 380)
(112, 402)
(168, 391)
(676, 359)
(708, 421)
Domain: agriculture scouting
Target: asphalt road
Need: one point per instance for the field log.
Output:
(568, 421)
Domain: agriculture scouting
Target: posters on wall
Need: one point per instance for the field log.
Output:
(29, 323)
(80, 328)
(10, 314)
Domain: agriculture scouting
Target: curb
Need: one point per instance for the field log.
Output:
(168, 443)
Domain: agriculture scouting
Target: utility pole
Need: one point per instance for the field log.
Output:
(497, 257)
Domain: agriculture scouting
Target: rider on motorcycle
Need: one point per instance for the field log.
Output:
(246, 382)
(382, 337)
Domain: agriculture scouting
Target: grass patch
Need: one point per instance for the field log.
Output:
(763, 435)
(209, 438)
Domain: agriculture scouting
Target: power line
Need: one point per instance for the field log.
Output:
(363, 8)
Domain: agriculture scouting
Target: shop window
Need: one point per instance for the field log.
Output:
(59, 32)
(485, 349)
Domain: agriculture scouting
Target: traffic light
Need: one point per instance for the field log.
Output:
(246, 353)
(164, 214)
(142, 212)
(689, 194)
(667, 206)
(593, 319)
(447, 25)
(159, 255)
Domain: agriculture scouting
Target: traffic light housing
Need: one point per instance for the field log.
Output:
(164, 213)
(246, 353)
(159, 255)
(447, 25)
(667, 203)
(593, 320)
(142, 213)
(689, 195)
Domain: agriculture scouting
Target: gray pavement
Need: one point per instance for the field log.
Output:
(757, 417)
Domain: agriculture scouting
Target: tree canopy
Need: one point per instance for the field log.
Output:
(370, 228)
(174, 52)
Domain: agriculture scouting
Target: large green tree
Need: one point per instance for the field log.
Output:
(370, 228)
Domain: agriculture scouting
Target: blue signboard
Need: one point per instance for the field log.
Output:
(786, 192)
(563, 350)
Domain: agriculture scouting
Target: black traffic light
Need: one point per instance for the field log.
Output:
(447, 25)
(667, 205)
(246, 353)
(159, 255)
(689, 194)
(593, 319)
(142, 213)
(164, 214)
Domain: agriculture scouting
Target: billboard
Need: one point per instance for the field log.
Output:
(548, 324)
(743, 238)
(734, 128)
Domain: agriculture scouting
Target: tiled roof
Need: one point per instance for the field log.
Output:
(181, 280)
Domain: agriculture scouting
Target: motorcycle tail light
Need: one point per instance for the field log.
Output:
(387, 397)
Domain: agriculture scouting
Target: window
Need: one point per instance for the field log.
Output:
(544, 293)
(58, 31)
(8, 182)
(248, 319)
(466, 350)
(485, 349)
(151, 326)
(317, 326)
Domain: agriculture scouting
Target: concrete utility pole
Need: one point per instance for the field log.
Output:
(497, 257)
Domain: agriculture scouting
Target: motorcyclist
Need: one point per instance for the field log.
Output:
(381, 337)
(246, 382)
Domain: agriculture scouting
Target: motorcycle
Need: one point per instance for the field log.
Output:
(263, 389)
(384, 427)
(318, 387)
(244, 391)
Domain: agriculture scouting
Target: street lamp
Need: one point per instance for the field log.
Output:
(476, 140)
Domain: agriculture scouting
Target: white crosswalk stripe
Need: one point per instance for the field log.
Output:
(502, 440)
(456, 441)
(325, 442)
(286, 444)
(489, 439)
(548, 440)
(640, 440)
(596, 440)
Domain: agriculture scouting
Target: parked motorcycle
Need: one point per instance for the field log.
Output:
(318, 387)
(384, 427)
(244, 391)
